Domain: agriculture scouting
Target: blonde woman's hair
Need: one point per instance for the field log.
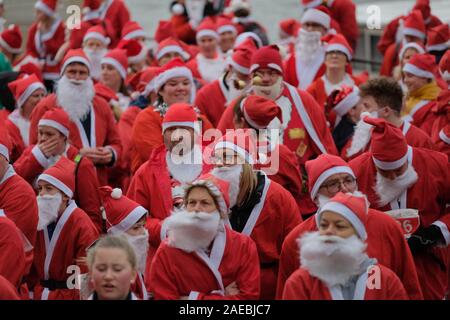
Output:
(112, 242)
(248, 183)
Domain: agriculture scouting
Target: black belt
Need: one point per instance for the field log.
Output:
(268, 265)
(52, 285)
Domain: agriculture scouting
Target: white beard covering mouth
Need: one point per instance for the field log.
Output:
(140, 245)
(75, 97)
(185, 168)
(95, 57)
(269, 92)
(332, 259)
(308, 44)
(232, 175)
(362, 134)
(234, 93)
(48, 206)
(191, 231)
(388, 190)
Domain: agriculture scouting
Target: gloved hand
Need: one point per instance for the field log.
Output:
(424, 238)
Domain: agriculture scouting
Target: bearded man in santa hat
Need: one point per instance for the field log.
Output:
(382, 98)
(92, 126)
(64, 233)
(394, 176)
(53, 133)
(157, 184)
(328, 175)
(213, 98)
(334, 262)
(260, 208)
(304, 129)
(95, 46)
(203, 258)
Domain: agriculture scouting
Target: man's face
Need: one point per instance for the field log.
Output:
(312, 26)
(94, 45)
(46, 133)
(368, 104)
(208, 46)
(268, 76)
(76, 71)
(335, 60)
(179, 140)
(414, 82)
(200, 200)
(393, 174)
(339, 182)
(227, 40)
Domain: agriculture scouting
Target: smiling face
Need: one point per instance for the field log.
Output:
(414, 82)
(112, 274)
(208, 46)
(176, 90)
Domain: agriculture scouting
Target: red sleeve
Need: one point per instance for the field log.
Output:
(27, 166)
(12, 255)
(30, 48)
(295, 288)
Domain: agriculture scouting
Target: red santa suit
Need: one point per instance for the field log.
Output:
(432, 185)
(61, 244)
(116, 14)
(12, 254)
(441, 115)
(7, 290)
(301, 75)
(443, 145)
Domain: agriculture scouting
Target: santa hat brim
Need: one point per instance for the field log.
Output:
(227, 28)
(347, 103)
(57, 184)
(188, 124)
(115, 64)
(414, 33)
(133, 217)
(391, 165)
(326, 174)
(207, 33)
(135, 34)
(177, 49)
(317, 16)
(139, 57)
(410, 45)
(229, 145)
(340, 48)
(97, 36)
(44, 8)
(55, 125)
(28, 92)
(5, 45)
(417, 71)
(77, 59)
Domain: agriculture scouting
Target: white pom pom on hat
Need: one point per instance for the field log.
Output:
(116, 193)
(177, 9)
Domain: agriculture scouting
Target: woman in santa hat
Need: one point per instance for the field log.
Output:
(203, 258)
(260, 208)
(27, 91)
(64, 233)
(406, 52)
(335, 265)
(112, 269)
(171, 48)
(127, 218)
(10, 47)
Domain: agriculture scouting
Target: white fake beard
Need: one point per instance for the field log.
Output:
(362, 134)
(75, 99)
(234, 93)
(269, 92)
(185, 168)
(388, 190)
(308, 44)
(140, 246)
(48, 206)
(95, 57)
(24, 128)
(232, 175)
(192, 231)
(333, 262)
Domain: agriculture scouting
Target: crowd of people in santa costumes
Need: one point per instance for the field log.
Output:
(217, 164)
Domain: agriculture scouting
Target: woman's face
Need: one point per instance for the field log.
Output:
(111, 77)
(414, 82)
(111, 274)
(176, 90)
(32, 101)
(199, 200)
(333, 224)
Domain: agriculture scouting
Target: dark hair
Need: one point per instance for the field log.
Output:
(385, 91)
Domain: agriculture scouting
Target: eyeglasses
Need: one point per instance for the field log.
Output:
(335, 185)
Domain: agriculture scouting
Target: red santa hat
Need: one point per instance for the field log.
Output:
(30, 68)
(23, 88)
(414, 25)
(75, 55)
(225, 24)
(444, 66)
(56, 118)
(207, 28)
(242, 55)
(388, 144)
(267, 57)
(136, 52)
(172, 45)
(98, 33)
(406, 46)
(248, 35)
(320, 15)
(242, 142)
(339, 43)
(173, 69)
(132, 30)
(121, 212)
(424, 7)
(346, 99)
(289, 27)
(164, 31)
(180, 115)
(61, 176)
(91, 4)
(421, 65)
(444, 134)
(5, 141)
(308, 4)
(217, 187)
(118, 59)
(438, 38)
(259, 111)
(351, 207)
(47, 6)
(105, 92)
(323, 167)
(11, 39)
(147, 81)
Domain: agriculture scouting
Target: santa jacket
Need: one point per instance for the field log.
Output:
(211, 100)
(176, 273)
